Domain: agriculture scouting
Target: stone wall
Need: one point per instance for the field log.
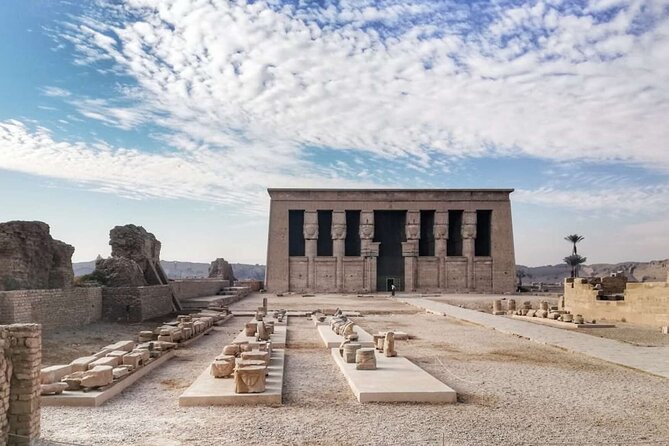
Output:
(643, 303)
(31, 259)
(51, 308)
(20, 363)
(252, 285)
(136, 304)
(189, 289)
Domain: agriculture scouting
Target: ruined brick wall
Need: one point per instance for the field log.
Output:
(20, 363)
(51, 308)
(644, 303)
(136, 304)
(189, 289)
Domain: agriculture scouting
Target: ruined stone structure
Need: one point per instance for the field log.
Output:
(221, 269)
(615, 299)
(20, 361)
(134, 261)
(327, 240)
(31, 259)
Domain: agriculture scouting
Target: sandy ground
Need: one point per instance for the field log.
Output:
(511, 391)
(483, 302)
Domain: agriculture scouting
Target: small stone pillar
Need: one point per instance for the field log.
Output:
(378, 341)
(263, 334)
(250, 379)
(223, 366)
(264, 304)
(511, 305)
(497, 307)
(365, 359)
(389, 345)
(349, 352)
(543, 305)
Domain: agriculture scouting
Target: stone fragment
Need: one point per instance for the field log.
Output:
(120, 372)
(54, 373)
(223, 366)
(81, 364)
(145, 335)
(389, 345)
(163, 346)
(567, 317)
(365, 359)
(250, 379)
(531, 313)
(497, 307)
(122, 345)
(665, 330)
(543, 305)
(511, 305)
(117, 354)
(541, 313)
(231, 349)
(53, 388)
(136, 359)
(220, 269)
(106, 361)
(349, 352)
(257, 355)
(378, 341)
(263, 334)
(98, 376)
(578, 319)
(251, 328)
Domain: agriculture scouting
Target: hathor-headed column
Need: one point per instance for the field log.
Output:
(440, 243)
(410, 251)
(369, 250)
(339, 245)
(468, 244)
(310, 245)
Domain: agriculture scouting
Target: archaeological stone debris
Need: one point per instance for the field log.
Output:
(221, 269)
(134, 261)
(31, 259)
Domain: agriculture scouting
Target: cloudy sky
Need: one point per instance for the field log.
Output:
(177, 115)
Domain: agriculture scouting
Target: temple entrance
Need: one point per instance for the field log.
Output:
(389, 231)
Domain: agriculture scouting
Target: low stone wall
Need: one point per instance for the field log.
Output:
(51, 308)
(20, 364)
(644, 303)
(136, 304)
(252, 285)
(189, 289)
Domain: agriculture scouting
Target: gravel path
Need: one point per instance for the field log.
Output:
(511, 391)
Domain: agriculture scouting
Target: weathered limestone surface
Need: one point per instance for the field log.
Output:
(133, 250)
(221, 269)
(31, 259)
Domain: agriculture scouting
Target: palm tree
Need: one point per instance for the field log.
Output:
(574, 261)
(574, 239)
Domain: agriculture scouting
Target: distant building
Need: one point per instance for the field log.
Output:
(326, 240)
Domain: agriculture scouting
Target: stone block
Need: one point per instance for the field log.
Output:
(106, 361)
(98, 376)
(53, 388)
(54, 373)
(81, 364)
(120, 372)
(117, 354)
(136, 358)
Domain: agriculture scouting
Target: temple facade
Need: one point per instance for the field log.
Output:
(366, 240)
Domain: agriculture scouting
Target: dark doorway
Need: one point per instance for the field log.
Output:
(389, 231)
(483, 229)
(324, 244)
(352, 242)
(454, 244)
(296, 233)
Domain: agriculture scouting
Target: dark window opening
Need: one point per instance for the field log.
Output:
(454, 245)
(426, 243)
(483, 229)
(296, 233)
(324, 246)
(352, 244)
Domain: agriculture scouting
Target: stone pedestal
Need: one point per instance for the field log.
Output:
(365, 359)
(250, 379)
(349, 353)
(223, 366)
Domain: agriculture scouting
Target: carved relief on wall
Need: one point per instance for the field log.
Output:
(338, 231)
(366, 231)
(469, 225)
(310, 231)
(441, 232)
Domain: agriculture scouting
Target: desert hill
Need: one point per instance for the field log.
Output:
(186, 270)
(653, 271)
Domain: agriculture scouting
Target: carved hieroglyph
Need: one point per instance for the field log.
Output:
(250, 379)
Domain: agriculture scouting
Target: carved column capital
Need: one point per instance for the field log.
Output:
(310, 225)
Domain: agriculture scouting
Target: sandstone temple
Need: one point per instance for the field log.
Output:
(327, 240)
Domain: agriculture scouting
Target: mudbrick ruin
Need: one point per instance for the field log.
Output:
(375, 330)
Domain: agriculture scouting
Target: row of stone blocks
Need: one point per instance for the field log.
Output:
(116, 361)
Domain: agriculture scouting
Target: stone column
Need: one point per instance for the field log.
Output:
(440, 243)
(22, 345)
(339, 245)
(310, 246)
(410, 250)
(369, 250)
(468, 240)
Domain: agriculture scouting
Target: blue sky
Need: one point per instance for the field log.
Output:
(177, 115)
